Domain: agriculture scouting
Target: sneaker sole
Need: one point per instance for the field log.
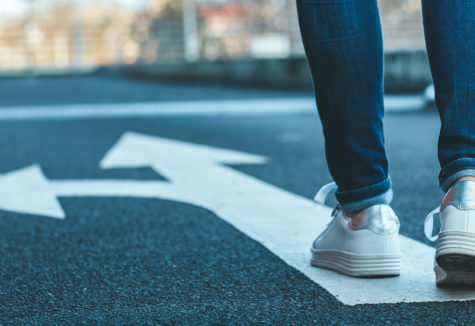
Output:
(357, 265)
(455, 259)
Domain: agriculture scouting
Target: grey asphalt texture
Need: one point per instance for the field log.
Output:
(147, 261)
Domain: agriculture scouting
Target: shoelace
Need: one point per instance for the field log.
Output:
(323, 193)
(429, 225)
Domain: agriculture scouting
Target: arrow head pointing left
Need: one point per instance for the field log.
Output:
(28, 191)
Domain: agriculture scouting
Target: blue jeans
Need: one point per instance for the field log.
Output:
(344, 47)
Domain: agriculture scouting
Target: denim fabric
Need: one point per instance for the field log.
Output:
(344, 48)
(343, 44)
(450, 38)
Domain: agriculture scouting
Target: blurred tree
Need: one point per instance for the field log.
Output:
(165, 8)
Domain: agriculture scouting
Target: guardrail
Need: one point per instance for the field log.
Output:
(405, 72)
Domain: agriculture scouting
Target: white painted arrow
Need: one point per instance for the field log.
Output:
(283, 222)
(28, 191)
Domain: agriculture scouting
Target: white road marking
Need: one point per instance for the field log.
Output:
(218, 107)
(283, 222)
(291, 137)
(28, 191)
(404, 102)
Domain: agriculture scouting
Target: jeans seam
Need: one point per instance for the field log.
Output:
(446, 169)
(457, 161)
(455, 168)
(366, 188)
(383, 198)
(450, 179)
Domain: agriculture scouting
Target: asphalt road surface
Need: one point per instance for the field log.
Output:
(124, 260)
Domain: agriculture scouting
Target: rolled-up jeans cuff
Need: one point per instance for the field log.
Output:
(359, 199)
(462, 167)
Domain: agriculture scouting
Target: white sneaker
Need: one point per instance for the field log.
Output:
(455, 255)
(364, 245)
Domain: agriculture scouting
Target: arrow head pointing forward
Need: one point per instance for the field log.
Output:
(28, 191)
(138, 150)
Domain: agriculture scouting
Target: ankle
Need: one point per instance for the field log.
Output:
(463, 179)
(352, 214)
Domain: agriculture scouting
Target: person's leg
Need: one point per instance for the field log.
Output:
(343, 43)
(450, 37)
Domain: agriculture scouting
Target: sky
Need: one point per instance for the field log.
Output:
(12, 8)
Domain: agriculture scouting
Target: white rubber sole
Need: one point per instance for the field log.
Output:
(455, 259)
(357, 265)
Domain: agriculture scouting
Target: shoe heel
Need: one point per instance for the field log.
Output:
(455, 259)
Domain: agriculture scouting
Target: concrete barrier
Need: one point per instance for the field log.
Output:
(405, 72)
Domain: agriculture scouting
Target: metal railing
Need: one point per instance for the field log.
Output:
(99, 33)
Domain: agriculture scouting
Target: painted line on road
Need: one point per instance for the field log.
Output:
(281, 221)
(187, 108)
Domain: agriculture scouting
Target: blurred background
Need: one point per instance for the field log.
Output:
(58, 34)
(78, 35)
